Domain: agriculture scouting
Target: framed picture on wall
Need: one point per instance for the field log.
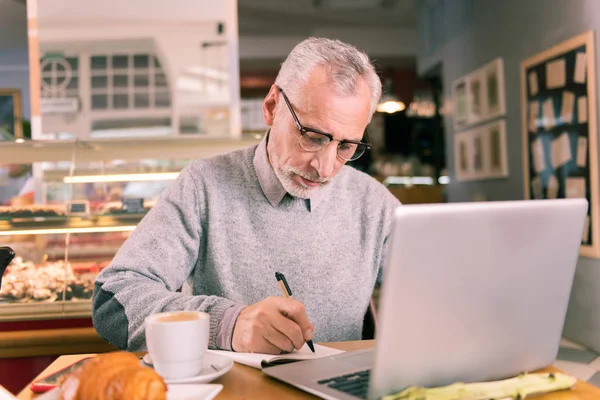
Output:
(494, 87)
(495, 146)
(476, 102)
(481, 152)
(462, 156)
(459, 94)
(10, 114)
(559, 129)
(479, 96)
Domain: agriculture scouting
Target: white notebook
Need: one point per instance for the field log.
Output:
(259, 360)
(6, 395)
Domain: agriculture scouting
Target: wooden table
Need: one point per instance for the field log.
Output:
(248, 383)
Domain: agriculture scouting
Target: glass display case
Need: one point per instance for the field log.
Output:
(88, 198)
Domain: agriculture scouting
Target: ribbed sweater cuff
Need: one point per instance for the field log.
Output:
(225, 327)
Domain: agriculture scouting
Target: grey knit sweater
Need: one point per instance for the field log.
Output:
(214, 241)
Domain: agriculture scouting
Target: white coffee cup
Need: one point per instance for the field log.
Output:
(177, 342)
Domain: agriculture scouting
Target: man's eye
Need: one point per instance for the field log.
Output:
(316, 138)
(347, 146)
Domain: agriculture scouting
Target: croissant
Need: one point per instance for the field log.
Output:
(113, 376)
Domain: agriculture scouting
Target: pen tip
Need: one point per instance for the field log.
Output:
(310, 345)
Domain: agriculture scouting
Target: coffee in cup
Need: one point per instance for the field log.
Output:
(179, 316)
(177, 342)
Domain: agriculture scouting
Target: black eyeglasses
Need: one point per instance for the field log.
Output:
(313, 140)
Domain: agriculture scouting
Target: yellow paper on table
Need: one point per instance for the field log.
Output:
(518, 387)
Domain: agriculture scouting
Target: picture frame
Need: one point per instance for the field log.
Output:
(10, 115)
(559, 129)
(496, 147)
(476, 99)
(479, 155)
(459, 94)
(481, 152)
(479, 96)
(493, 75)
(463, 156)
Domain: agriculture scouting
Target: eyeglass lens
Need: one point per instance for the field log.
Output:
(314, 141)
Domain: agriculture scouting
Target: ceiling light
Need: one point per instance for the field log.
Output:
(59, 231)
(390, 105)
(389, 102)
(158, 176)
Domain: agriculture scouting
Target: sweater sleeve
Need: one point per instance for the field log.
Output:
(152, 265)
(391, 203)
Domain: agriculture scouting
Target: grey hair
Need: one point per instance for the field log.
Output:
(344, 63)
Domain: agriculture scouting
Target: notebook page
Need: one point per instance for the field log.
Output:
(255, 360)
(6, 395)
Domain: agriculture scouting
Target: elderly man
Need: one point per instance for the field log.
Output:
(228, 223)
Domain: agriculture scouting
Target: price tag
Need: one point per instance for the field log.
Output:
(133, 206)
(79, 208)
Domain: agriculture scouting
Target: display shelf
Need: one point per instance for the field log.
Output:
(123, 149)
(58, 225)
(46, 310)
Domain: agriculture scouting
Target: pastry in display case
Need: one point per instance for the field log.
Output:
(16, 213)
(57, 262)
(83, 211)
(25, 281)
(61, 247)
(85, 215)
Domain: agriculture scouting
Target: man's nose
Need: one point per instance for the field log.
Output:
(324, 160)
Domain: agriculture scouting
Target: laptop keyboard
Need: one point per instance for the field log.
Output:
(355, 384)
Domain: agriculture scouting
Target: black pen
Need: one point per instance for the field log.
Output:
(287, 292)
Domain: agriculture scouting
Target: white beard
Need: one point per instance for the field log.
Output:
(285, 175)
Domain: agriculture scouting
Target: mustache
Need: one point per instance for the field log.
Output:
(315, 177)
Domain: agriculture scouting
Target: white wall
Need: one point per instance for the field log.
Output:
(132, 11)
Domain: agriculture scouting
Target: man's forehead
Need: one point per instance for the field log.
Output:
(327, 94)
(341, 116)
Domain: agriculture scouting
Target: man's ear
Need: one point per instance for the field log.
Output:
(270, 104)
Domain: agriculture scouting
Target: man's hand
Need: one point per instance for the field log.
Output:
(272, 325)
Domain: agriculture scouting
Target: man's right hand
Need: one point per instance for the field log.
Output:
(272, 325)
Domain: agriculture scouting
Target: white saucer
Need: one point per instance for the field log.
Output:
(213, 367)
(193, 392)
(174, 392)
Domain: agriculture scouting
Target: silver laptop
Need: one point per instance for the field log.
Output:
(471, 292)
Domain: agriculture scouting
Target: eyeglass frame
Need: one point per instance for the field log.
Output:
(304, 129)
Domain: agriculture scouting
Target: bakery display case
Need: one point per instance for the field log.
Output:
(88, 199)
